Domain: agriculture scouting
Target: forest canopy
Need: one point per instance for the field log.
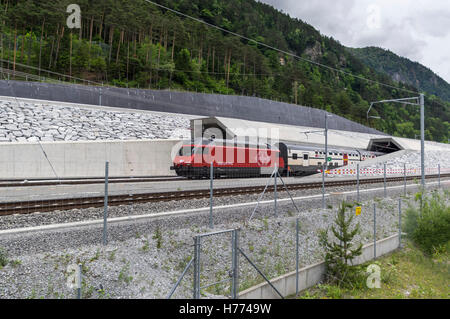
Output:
(137, 44)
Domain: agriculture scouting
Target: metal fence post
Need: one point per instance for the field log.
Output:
(105, 207)
(296, 257)
(439, 175)
(100, 97)
(233, 254)
(357, 182)
(197, 244)
(404, 179)
(323, 186)
(374, 231)
(211, 172)
(275, 188)
(385, 194)
(235, 264)
(79, 281)
(400, 223)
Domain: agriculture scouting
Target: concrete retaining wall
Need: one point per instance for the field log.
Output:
(86, 159)
(313, 274)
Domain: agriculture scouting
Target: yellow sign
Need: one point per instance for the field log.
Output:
(358, 210)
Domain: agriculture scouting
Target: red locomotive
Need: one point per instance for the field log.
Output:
(229, 158)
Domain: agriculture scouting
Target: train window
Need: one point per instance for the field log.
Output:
(186, 151)
(335, 153)
(294, 156)
(340, 154)
(305, 156)
(319, 163)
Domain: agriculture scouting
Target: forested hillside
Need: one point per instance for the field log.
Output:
(403, 70)
(136, 44)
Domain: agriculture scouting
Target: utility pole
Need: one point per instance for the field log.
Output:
(417, 101)
(422, 138)
(326, 141)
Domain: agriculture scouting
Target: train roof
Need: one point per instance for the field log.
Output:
(322, 148)
(241, 143)
(220, 142)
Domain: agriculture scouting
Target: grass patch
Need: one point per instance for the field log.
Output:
(124, 274)
(112, 255)
(408, 273)
(3, 258)
(146, 246)
(158, 237)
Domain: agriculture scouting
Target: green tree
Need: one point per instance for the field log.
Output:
(340, 250)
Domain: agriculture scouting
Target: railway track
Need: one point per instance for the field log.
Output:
(79, 181)
(27, 207)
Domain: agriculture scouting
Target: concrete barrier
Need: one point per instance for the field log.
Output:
(86, 159)
(311, 275)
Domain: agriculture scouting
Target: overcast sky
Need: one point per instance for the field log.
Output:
(416, 29)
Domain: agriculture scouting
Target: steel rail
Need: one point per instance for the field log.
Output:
(80, 181)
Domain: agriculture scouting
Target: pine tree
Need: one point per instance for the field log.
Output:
(340, 252)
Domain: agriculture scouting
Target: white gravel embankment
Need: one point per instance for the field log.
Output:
(412, 160)
(27, 121)
(144, 258)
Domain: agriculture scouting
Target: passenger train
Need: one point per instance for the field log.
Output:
(230, 158)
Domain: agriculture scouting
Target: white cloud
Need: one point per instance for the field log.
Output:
(416, 29)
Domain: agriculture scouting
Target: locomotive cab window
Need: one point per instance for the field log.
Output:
(186, 151)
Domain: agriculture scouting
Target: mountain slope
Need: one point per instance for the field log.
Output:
(403, 70)
(132, 43)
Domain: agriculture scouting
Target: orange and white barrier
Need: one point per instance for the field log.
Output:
(380, 171)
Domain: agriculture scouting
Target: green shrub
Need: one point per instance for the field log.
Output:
(430, 229)
(158, 237)
(3, 258)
